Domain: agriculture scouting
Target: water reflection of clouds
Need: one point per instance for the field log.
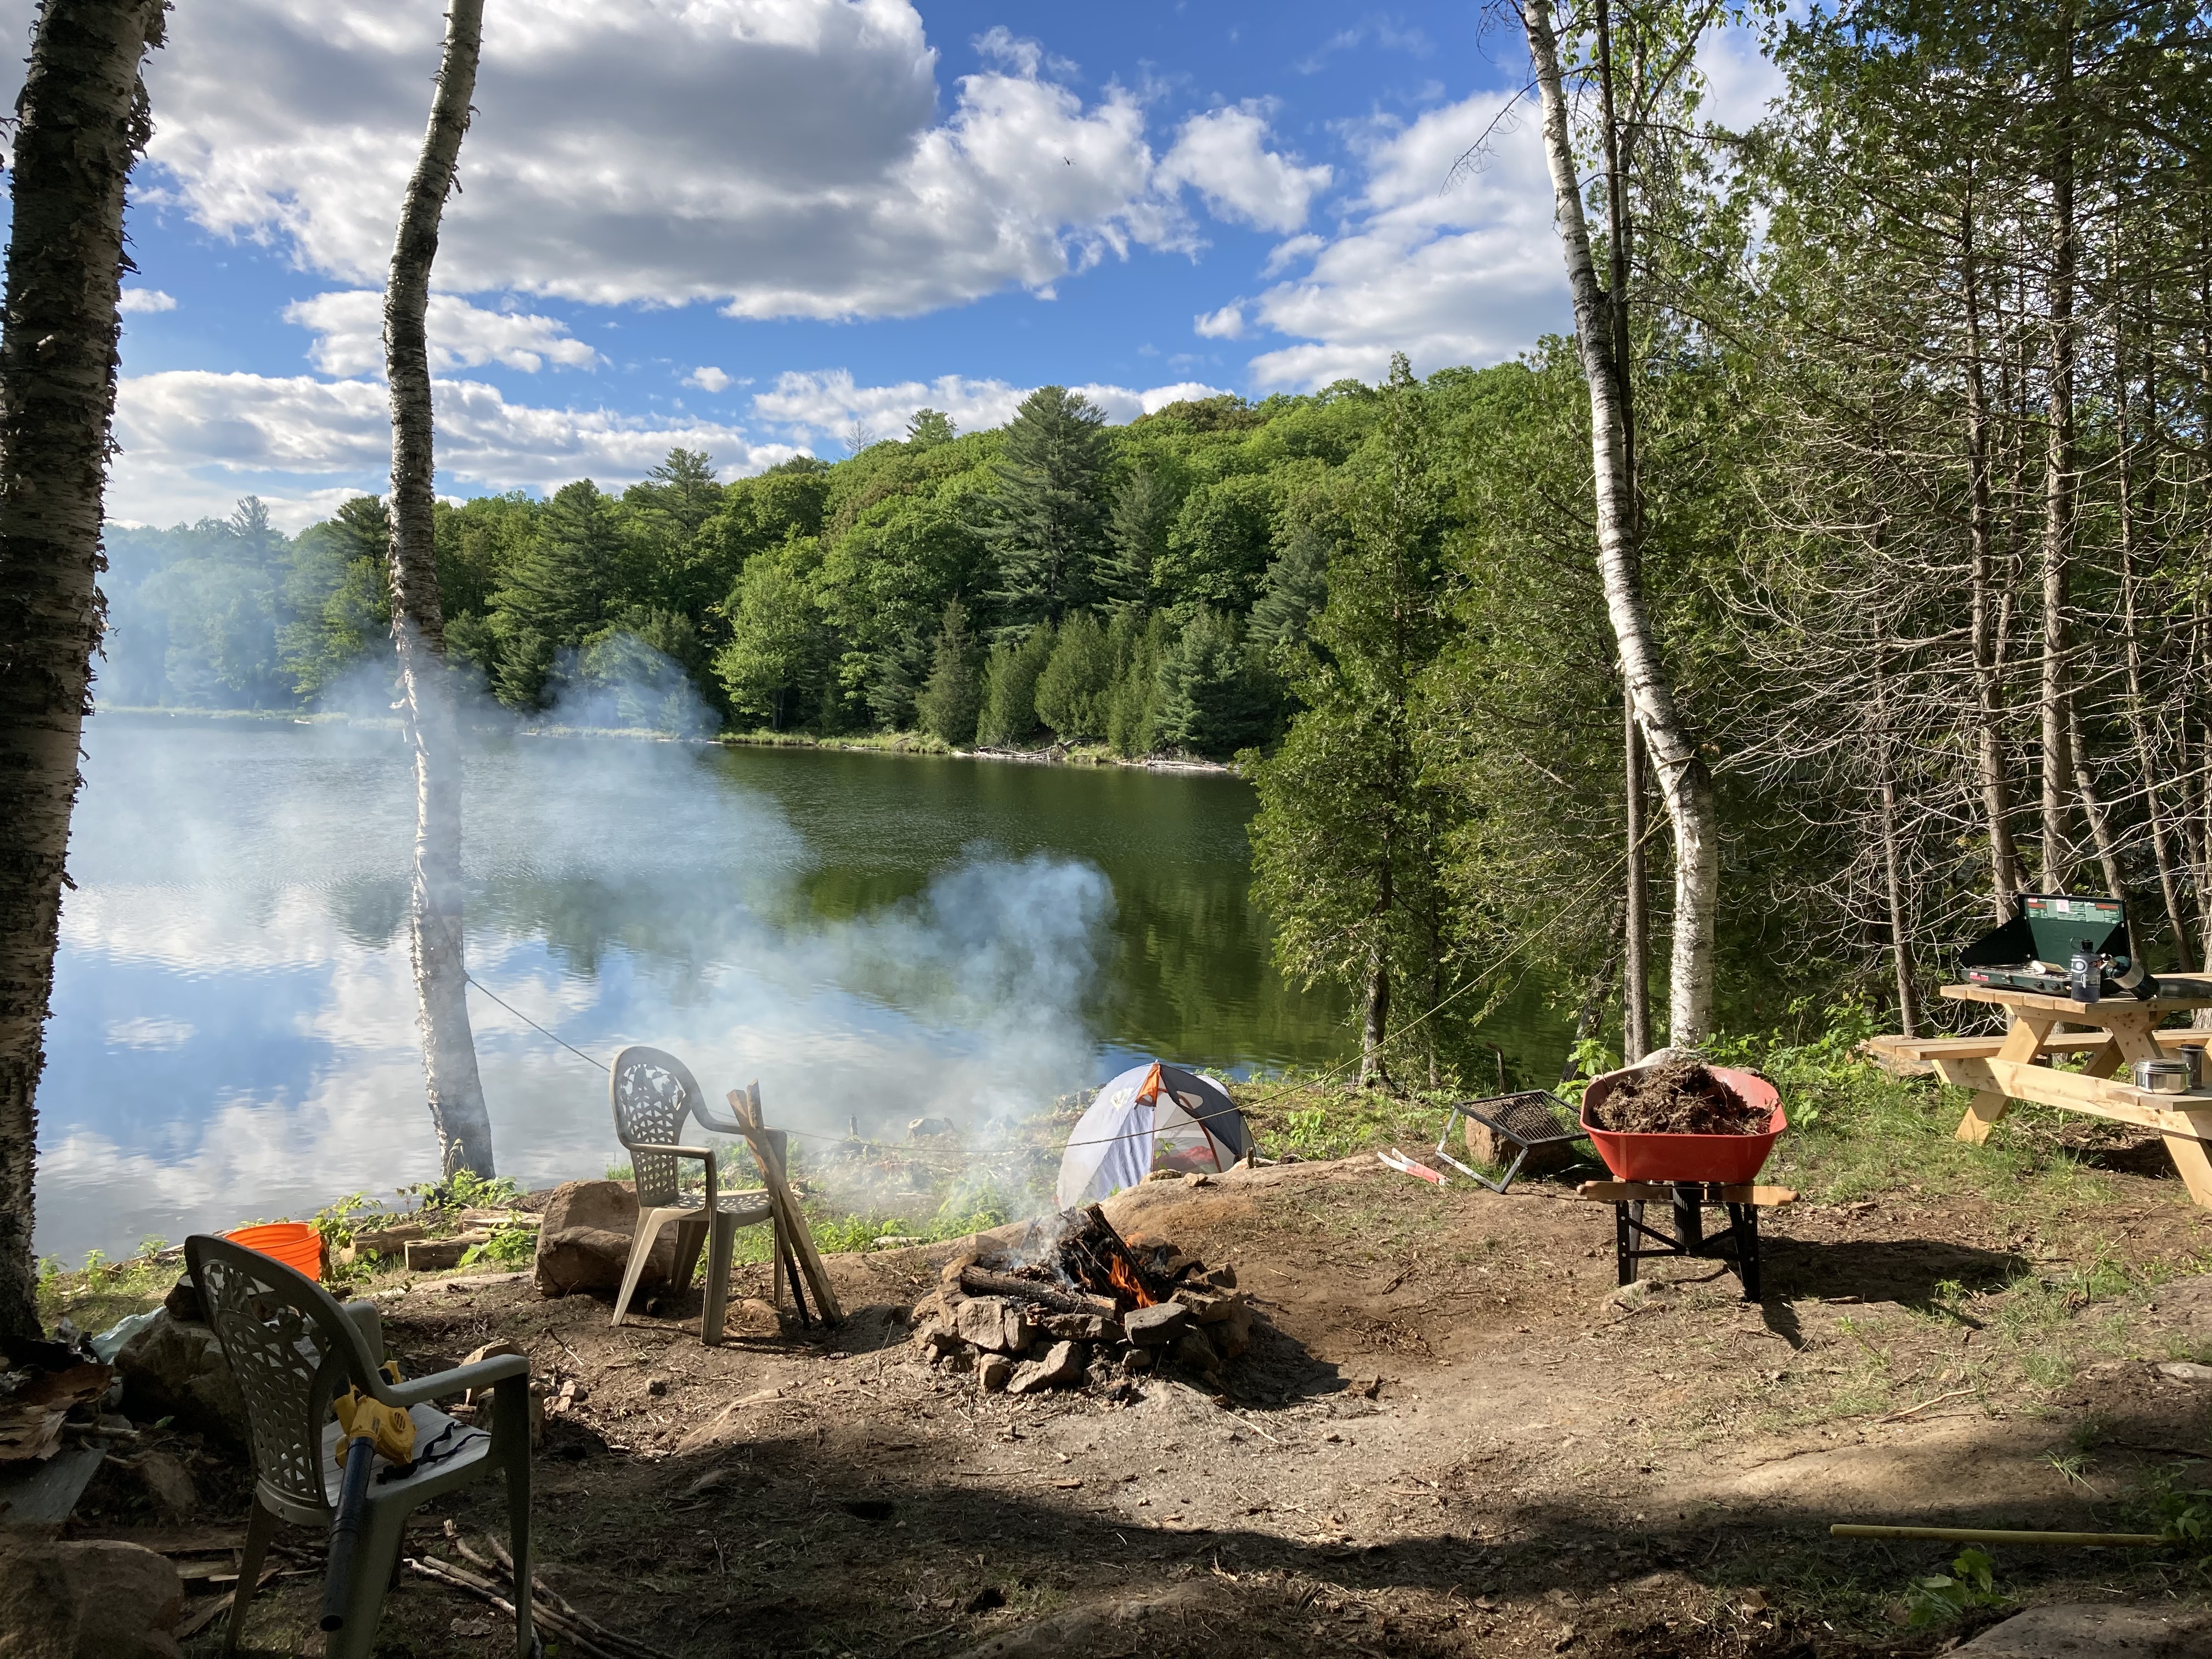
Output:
(234, 1033)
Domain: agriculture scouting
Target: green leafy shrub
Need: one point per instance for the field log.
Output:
(1970, 1584)
(510, 1247)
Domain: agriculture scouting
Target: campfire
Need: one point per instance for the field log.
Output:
(1075, 1302)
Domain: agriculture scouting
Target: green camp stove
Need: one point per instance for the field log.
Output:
(2063, 945)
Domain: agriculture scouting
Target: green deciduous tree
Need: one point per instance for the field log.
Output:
(778, 647)
(1349, 843)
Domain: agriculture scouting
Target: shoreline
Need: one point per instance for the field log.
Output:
(912, 744)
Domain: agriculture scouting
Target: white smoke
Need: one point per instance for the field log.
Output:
(234, 1031)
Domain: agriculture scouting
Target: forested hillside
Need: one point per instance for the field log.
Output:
(1919, 371)
(1134, 586)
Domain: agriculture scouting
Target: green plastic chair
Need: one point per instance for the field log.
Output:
(292, 1347)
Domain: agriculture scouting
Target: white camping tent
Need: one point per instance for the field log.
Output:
(1151, 1117)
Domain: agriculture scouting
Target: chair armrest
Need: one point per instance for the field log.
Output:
(363, 1312)
(704, 1154)
(423, 1389)
(721, 1126)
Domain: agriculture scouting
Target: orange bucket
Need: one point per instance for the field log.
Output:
(295, 1243)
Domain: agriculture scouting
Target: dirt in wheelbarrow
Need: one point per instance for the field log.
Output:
(1676, 1098)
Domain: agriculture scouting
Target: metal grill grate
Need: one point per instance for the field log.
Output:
(1532, 1118)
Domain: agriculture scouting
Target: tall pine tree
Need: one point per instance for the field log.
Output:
(1049, 512)
(558, 591)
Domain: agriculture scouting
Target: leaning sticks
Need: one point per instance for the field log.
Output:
(548, 1610)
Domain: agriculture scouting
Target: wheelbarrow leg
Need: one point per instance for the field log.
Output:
(1623, 1239)
(1743, 1222)
(1689, 1218)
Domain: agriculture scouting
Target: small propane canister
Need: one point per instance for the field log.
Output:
(2086, 972)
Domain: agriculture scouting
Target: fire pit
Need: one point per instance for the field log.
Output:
(1076, 1304)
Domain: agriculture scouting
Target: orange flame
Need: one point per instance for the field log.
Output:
(1126, 1282)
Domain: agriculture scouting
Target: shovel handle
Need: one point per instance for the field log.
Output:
(345, 1530)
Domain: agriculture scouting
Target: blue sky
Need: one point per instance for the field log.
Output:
(754, 227)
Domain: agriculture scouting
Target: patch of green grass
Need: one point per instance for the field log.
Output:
(464, 1189)
(97, 1294)
(1317, 1121)
(508, 1247)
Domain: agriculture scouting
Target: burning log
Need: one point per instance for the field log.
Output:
(1094, 1255)
(981, 1281)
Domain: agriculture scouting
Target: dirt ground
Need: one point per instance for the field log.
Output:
(1456, 1437)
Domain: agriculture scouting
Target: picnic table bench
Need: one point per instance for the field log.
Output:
(2119, 1030)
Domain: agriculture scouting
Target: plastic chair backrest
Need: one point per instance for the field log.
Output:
(290, 1347)
(653, 1092)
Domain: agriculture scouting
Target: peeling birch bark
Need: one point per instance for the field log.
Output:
(1684, 781)
(83, 120)
(418, 629)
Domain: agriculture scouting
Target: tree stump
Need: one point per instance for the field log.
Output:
(1485, 1145)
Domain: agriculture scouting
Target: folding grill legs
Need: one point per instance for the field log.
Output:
(1528, 1119)
(1739, 1249)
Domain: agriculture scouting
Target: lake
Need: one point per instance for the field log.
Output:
(875, 938)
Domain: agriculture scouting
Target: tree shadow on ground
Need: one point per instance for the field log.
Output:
(1916, 1273)
(791, 1543)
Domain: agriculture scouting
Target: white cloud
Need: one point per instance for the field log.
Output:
(786, 158)
(348, 328)
(140, 302)
(1226, 323)
(1223, 155)
(1468, 274)
(1471, 274)
(707, 378)
(1284, 255)
(194, 441)
(811, 407)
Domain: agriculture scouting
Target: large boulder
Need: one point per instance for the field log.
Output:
(93, 1600)
(584, 1241)
(175, 1368)
(2080, 1630)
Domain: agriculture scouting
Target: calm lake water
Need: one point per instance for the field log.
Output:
(874, 937)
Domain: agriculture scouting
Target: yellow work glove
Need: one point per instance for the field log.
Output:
(391, 1429)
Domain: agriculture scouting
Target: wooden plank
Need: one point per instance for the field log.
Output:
(1981, 1047)
(2105, 1097)
(2082, 1014)
(1648, 1192)
(746, 1103)
(2022, 1043)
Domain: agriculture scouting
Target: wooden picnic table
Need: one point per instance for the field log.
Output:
(2121, 1030)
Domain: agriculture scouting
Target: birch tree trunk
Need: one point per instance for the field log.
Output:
(1635, 908)
(1375, 1019)
(1684, 780)
(419, 628)
(2058, 497)
(81, 121)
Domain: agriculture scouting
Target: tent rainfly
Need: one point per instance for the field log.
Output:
(1151, 1117)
